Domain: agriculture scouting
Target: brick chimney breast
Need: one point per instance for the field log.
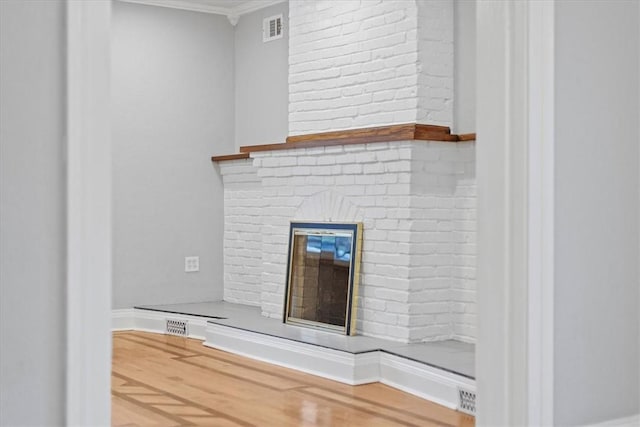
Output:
(362, 63)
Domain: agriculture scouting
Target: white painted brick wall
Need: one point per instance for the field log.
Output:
(441, 173)
(463, 284)
(364, 63)
(464, 226)
(326, 184)
(435, 62)
(243, 206)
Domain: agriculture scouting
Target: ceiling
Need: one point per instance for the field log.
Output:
(230, 8)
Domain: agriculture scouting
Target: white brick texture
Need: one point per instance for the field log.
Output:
(416, 201)
(463, 275)
(362, 63)
(435, 62)
(443, 232)
(243, 206)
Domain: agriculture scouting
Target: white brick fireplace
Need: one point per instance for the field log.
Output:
(416, 200)
(354, 65)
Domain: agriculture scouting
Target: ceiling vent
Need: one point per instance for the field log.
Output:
(272, 28)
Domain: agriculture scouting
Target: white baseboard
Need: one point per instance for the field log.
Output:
(340, 366)
(416, 378)
(122, 319)
(155, 321)
(421, 380)
(632, 421)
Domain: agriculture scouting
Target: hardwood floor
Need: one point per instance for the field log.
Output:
(162, 380)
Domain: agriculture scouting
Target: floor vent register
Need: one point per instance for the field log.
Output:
(177, 327)
(466, 401)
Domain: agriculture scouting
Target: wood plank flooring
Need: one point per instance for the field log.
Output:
(162, 380)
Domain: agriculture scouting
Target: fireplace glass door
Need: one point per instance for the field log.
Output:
(322, 275)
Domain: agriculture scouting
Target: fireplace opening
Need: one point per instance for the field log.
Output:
(323, 275)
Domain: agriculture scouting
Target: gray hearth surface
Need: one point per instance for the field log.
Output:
(450, 355)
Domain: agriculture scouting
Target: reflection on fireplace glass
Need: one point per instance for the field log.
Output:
(322, 275)
(338, 246)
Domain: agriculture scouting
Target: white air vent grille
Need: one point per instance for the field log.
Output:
(272, 28)
(466, 401)
(177, 327)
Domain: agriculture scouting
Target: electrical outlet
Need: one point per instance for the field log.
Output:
(191, 264)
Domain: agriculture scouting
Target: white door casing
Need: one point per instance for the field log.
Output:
(515, 81)
(88, 393)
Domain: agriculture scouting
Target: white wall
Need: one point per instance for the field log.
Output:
(33, 241)
(464, 107)
(261, 80)
(597, 217)
(172, 85)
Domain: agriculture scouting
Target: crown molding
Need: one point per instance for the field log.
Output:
(245, 8)
(184, 5)
(193, 6)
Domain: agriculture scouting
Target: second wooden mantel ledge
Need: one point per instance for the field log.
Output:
(402, 132)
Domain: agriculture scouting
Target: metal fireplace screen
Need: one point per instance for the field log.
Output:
(322, 275)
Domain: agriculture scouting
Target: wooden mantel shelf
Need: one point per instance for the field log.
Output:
(230, 157)
(403, 132)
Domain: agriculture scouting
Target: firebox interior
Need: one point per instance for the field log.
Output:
(322, 275)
